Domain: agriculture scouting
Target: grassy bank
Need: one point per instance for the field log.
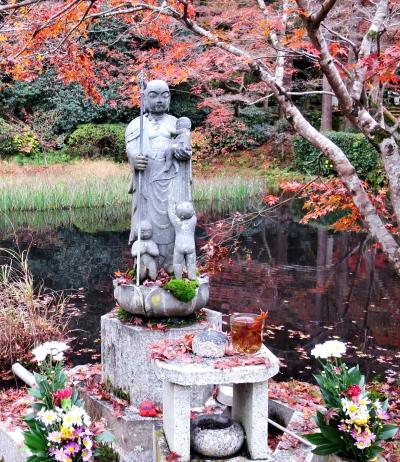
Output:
(28, 315)
(91, 184)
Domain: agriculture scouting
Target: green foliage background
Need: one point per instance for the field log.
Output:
(359, 151)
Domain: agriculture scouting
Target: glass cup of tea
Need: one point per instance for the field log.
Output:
(246, 332)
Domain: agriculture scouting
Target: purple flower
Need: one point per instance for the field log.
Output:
(343, 427)
(71, 448)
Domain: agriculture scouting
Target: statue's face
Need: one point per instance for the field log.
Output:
(157, 97)
(184, 210)
(146, 231)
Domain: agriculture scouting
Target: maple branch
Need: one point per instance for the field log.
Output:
(71, 5)
(280, 58)
(117, 11)
(75, 27)
(366, 47)
(343, 38)
(316, 18)
(15, 6)
(311, 92)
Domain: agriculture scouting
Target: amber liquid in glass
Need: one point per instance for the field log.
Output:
(246, 331)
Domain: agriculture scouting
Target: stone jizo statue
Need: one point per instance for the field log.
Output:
(165, 170)
(148, 252)
(184, 220)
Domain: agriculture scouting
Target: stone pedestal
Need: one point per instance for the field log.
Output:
(124, 357)
(250, 400)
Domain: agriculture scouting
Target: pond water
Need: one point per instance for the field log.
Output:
(315, 284)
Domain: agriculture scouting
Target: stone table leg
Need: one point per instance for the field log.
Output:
(250, 407)
(176, 419)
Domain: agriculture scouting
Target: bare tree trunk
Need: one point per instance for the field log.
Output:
(326, 116)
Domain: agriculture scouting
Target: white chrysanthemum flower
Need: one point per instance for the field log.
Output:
(55, 349)
(48, 417)
(331, 348)
(40, 353)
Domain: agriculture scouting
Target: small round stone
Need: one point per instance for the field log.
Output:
(209, 344)
(216, 436)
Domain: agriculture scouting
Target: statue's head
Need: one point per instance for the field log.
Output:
(184, 210)
(146, 230)
(157, 97)
(183, 124)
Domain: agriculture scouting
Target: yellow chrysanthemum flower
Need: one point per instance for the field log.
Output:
(66, 433)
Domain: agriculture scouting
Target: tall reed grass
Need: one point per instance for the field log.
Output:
(90, 184)
(85, 184)
(28, 315)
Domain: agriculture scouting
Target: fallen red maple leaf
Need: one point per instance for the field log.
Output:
(173, 457)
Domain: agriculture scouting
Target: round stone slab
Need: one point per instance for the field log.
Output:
(204, 373)
(209, 344)
(156, 302)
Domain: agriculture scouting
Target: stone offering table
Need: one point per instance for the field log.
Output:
(250, 399)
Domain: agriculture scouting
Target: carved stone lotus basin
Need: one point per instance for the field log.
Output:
(216, 436)
(156, 302)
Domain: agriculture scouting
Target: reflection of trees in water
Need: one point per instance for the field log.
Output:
(337, 290)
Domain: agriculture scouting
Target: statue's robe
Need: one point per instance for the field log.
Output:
(157, 187)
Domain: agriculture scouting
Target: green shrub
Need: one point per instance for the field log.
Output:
(182, 289)
(358, 150)
(16, 141)
(104, 140)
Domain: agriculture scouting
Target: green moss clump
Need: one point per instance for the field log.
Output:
(124, 315)
(182, 289)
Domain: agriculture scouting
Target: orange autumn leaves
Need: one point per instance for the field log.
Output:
(331, 197)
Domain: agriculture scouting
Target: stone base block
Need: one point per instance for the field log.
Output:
(11, 443)
(125, 363)
(133, 433)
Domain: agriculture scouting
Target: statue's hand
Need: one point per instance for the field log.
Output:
(140, 162)
(183, 153)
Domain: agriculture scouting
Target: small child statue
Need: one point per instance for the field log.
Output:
(183, 219)
(148, 252)
(182, 140)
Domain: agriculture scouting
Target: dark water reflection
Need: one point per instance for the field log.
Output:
(316, 285)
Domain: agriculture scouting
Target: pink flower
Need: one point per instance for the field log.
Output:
(59, 395)
(353, 392)
(382, 415)
(86, 455)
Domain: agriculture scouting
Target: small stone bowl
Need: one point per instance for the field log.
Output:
(209, 344)
(216, 436)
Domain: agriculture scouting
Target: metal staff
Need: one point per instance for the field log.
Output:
(139, 188)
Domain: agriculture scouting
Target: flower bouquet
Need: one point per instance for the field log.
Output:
(352, 425)
(59, 427)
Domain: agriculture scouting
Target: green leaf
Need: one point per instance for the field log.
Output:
(331, 434)
(35, 392)
(316, 438)
(326, 449)
(387, 432)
